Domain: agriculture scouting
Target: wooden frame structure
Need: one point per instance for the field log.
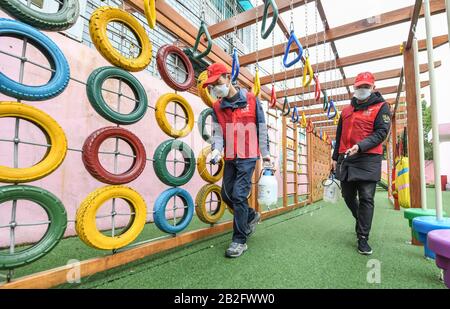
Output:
(170, 19)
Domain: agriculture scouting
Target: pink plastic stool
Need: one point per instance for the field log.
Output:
(439, 243)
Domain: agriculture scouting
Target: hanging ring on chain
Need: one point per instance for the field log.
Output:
(203, 30)
(317, 88)
(286, 107)
(150, 12)
(256, 84)
(235, 67)
(266, 32)
(336, 119)
(295, 116)
(303, 123)
(331, 106)
(310, 127)
(308, 73)
(292, 39)
(325, 101)
(273, 97)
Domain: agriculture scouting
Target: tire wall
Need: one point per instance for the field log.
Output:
(71, 183)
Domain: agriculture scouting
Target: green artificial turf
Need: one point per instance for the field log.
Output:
(314, 247)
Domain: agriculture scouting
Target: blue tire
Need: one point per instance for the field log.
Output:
(160, 210)
(60, 77)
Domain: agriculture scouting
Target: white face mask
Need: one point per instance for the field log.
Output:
(221, 91)
(362, 93)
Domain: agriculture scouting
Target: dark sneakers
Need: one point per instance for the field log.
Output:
(363, 247)
(235, 250)
(252, 224)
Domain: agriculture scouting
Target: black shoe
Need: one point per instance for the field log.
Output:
(252, 224)
(363, 247)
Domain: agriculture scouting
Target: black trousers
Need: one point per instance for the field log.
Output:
(362, 207)
(236, 186)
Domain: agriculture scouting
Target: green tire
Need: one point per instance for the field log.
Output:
(201, 124)
(56, 215)
(61, 20)
(160, 158)
(94, 93)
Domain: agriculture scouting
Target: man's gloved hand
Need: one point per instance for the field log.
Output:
(216, 156)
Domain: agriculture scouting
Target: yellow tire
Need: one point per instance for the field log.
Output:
(150, 12)
(200, 204)
(203, 170)
(203, 92)
(161, 116)
(97, 29)
(54, 135)
(86, 225)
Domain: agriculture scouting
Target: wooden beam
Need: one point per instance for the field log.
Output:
(358, 27)
(323, 117)
(379, 76)
(248, 18)
(414, 20)
(379, 54)
(412, 127)
(383, 91)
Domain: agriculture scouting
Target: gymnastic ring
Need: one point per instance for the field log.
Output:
(150, 12)
(160, 210)
(60, 68)
(54, 135)
(86, 225)
(94, 87)
(203, 170)
(161, 117)
(91, 159)
(161, 61)
(200, 204)
(201, 122)
(97, 29)
(57, 218)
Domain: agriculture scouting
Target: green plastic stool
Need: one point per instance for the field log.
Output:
(412, 213)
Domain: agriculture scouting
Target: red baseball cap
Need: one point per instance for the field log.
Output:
(215, 70)
(365, 78)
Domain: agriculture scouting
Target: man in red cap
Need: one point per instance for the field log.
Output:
(357, 156)
(240, 130)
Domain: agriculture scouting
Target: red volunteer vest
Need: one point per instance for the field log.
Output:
(239, 129)
(357, 125)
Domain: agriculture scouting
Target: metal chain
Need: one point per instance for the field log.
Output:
(273, 58)
(316, 21)
(234, 24)
(291, 26)
(202, 14)
(324, 53)
(306, 27)
(257, 38)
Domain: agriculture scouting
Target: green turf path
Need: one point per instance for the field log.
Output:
(314, 247)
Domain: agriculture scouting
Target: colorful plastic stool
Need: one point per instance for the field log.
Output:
(424, 225)
(439, 243)
(412, 213)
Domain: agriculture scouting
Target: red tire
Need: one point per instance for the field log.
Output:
(161, 61)
(92, 162)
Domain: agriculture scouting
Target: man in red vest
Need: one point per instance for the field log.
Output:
(357, 156)
(240, 130)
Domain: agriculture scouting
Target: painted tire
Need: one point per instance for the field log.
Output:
(160, 210)
(60, 77)
(58, 222)
(61, 20)
(161, 61)
(94, 93)
(203, 170)
(97, 29)
(161, 117)
(201, 124)
(204, 92)
(55, 137)
(159, 163)
(200, 204)
(92, 162)
(86, 226)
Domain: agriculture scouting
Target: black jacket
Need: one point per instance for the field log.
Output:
(362, 166)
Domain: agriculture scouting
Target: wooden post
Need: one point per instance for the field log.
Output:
(412, 127)
(284, 145)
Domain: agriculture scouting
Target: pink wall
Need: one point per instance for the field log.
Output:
(71, 182)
